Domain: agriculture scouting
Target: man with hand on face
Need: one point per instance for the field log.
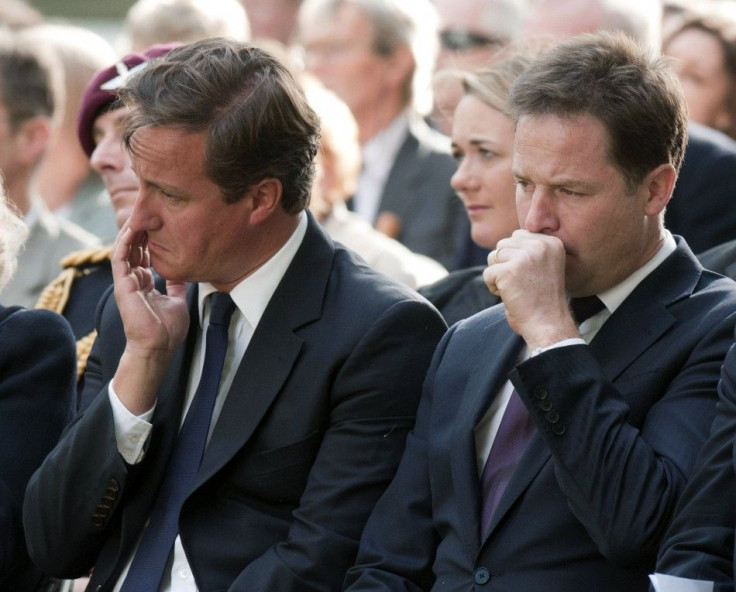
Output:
(238, 426)
(557, 430)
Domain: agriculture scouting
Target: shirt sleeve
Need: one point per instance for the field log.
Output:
(665, 583)
(131, 431)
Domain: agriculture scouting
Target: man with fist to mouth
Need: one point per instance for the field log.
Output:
(557, 430)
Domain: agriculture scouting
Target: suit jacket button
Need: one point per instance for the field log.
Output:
(540, 393)
(558, 429)
(113, 485)
(552, 417)
(98, 520)
(545, 405)
(481, 576)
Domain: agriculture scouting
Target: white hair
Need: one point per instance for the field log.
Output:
(13, 233)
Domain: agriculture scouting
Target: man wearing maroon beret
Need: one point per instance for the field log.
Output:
(87, 274)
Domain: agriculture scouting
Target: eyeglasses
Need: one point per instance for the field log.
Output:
(461, 40)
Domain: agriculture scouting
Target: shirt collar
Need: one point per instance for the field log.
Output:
(253, 294)
(614, 297)
(380, 151)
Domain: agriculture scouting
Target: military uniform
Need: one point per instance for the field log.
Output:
(75, 293)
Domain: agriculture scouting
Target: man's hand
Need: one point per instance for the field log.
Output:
(527, 270)
(155, 324)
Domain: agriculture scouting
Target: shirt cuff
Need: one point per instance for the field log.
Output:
(665, 583)
(131, 431)
(563, 343)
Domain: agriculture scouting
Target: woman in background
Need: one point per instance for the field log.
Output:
(703, 48)
(482, 143)
(37, 374)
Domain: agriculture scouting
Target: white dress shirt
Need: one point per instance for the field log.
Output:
(486, 430)
(251, 297)
(664, 583)
(378, 155)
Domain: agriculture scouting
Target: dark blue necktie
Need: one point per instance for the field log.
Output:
(147, 569)
(514, 431)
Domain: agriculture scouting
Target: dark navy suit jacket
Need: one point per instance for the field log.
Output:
(619, 425)
(702, 205)
(311, 432)
(37, 376)
(700, 542)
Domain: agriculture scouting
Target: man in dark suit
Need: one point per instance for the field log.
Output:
(550, 449)
(378, 58)
(321, 361)
(700, 541)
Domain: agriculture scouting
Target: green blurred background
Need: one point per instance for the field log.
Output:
(83, 9)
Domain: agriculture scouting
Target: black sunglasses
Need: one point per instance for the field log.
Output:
(460, 39)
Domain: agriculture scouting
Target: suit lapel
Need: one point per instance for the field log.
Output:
(645, 312)
(483, 386)
(273, 350)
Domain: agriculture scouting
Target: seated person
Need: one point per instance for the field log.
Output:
(36, 402)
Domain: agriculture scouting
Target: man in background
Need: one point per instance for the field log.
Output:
(378, 57)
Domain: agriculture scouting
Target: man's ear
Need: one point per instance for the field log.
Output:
(266, 198)
(659, 184)
(31, 139)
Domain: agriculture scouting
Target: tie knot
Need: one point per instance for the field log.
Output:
(585, 307)
(221, 308)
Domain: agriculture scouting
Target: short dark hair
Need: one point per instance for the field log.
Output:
(256, 119)
(608, 76)
(27, 82)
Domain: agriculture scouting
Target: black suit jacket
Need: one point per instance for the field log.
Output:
(721, 259)
(310, 434)
(460, 295)
(37, 376)
(700, 541)
(619, 425)
(702, 205)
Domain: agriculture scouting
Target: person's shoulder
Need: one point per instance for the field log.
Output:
(88, 258)
(37, 325)
(73, 234)
(720, 259)
(443, 290)
(707, 141)
(461, 294)
(84, 268)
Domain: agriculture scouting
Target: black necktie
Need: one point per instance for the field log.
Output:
(585, 307)
(152, 556)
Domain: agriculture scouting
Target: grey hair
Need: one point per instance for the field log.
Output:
(396, 23)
